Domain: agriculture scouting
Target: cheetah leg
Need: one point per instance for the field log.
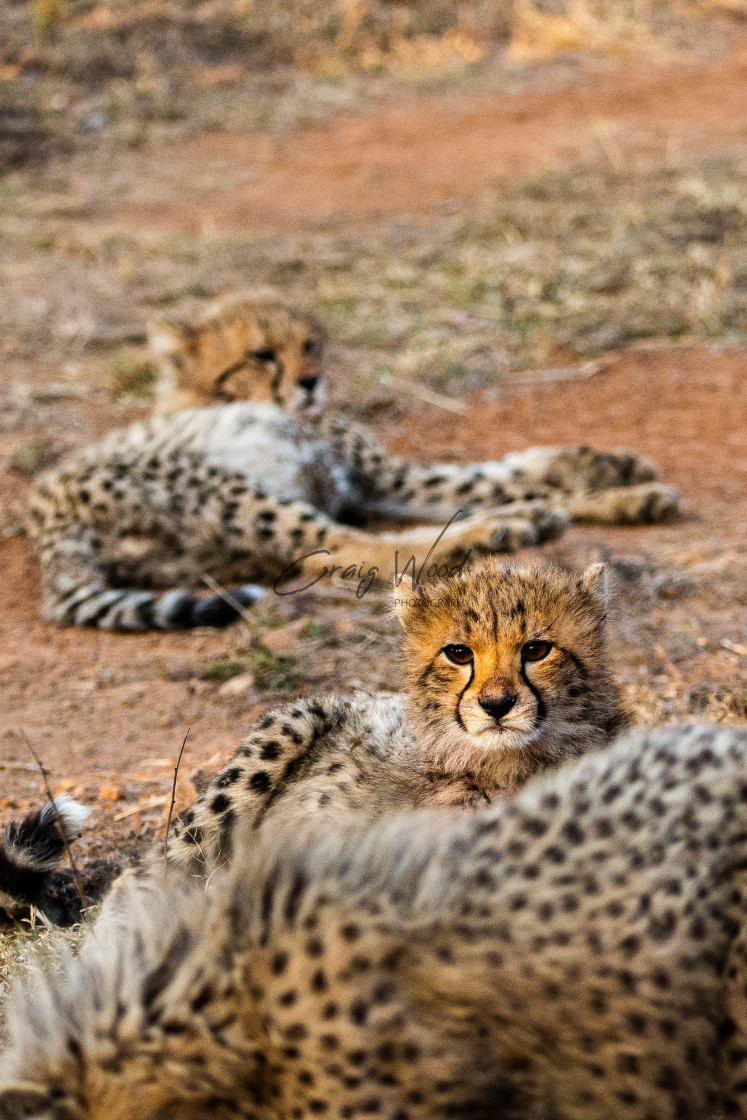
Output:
(608, 488)
(580, 468)
(615, 487)
(242, 792)
(305, 541)
(643, 504)
(400, 489)
(434, 494)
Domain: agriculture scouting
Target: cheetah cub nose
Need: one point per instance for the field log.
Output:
(498, 706)
(308, 382)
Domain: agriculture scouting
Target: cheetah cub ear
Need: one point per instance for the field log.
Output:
(168, 336)
(407, 598)
(596, 581)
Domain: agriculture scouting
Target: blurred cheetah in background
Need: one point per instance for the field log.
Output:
(508, 674)
(262, 488)
(577, 952)
(248, 346)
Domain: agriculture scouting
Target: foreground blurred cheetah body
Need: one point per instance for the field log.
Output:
(244, 490)
(508, 674)
(577, 952)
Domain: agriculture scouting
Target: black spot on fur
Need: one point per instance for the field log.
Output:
(260, 782)
(228, 777)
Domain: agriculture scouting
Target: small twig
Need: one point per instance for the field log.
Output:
(60, 822)
(141, 807)
(423, 393)
(565, 373)
(609, 144)
(173, 797)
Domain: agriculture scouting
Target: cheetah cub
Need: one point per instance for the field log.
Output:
(247, 346)
(579, 952)
(264, 488)
(508, 674)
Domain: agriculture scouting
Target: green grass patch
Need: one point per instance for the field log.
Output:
(131, 374)
(223, 670)
(276, 673)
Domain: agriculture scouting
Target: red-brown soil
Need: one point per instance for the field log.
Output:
(110, 710)
(425, 152)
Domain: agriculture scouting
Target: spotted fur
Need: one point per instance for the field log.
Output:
(443, 743)
(265, 488)
(576, 952)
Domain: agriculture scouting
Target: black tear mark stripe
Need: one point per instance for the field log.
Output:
(243, 363)
(541, 706)
(457, 713)
(277, 381)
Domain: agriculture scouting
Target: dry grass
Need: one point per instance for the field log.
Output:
(77, 71)
(31, 944)
(131, 374)
(587, 259)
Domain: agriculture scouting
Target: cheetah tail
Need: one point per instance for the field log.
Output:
(31, 848)
(128, 609)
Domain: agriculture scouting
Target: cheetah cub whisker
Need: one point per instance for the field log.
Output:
(507, 673)
(243, 491)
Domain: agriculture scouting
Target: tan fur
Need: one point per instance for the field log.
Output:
(564, 704)
(576, 953)
(435, 746)
(246, 346)
(266, 487)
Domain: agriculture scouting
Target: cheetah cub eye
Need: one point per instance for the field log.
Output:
(264, 354)
(507, 669)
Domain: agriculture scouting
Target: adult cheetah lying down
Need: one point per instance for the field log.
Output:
(508, 674)
(578, 952)
(262, 488)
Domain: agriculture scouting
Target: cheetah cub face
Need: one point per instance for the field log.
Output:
(507, 670)
(250, 346)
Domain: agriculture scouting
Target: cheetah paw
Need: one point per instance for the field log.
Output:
(511, 534)
(551, 523)
(625, 505)
(652, 502)
(633, 469)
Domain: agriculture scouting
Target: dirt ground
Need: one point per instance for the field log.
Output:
(108, 713)
(413, 157)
